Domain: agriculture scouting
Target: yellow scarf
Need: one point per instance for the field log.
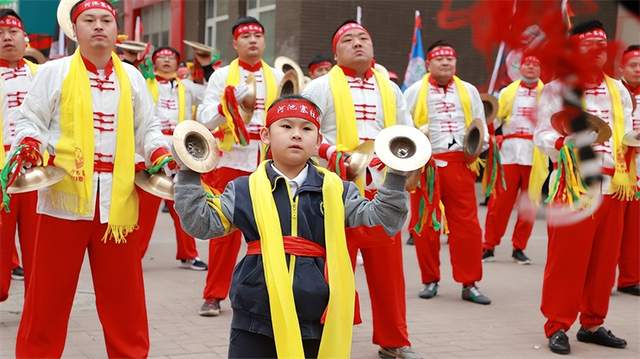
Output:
(33, 68)
(421, 110)
(233, 79)
(347, 137)
(540, 164)
(152, 84)
(75, 151)
(337, 332)
(623, 183)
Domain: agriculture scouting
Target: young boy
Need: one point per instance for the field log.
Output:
(293, 216)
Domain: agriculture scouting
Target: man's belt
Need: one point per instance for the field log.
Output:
(102, 167)
(524, 136)
(294, 245)
(453, 156)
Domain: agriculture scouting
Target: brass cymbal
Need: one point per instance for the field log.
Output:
(290, 84)
(195, 146)
(561, 122)
(36, 178)
(198, 47)
(490, 104)
(631, 139)
(403, 148)
(359, 159)
(473, 140)
(249, 102)
(159, 184)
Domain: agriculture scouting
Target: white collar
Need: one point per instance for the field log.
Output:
(299, 179)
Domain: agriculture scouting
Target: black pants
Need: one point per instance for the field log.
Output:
(244, 344)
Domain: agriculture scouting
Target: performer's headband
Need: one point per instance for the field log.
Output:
(244, 28)
(297, 108)
(441, 51)
(165, 53)
(317, 65)
(597, 34)
(11, 21)
(627, 56)
(531, 60)
(343, 30)
(91, 4)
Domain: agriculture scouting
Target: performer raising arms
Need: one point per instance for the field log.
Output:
(516, 119)
(629, 263)
(240, 143)
(90, 111)
(357, 102)
(582, 256)
(173, 100)
(16, 75)
(445, 106)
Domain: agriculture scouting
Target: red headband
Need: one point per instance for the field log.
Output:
(244, 28)
(11, 21)
(297, 108)
(530, 59)
(163, 53)
(596, 34)
(343, 30)
(314, 67)
(627, 56)
(92, 4)
(441, 51)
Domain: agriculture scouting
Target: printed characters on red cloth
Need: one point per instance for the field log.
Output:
(245, 28)
(165, 52)
(11, 21)
(441, 51)
(293, 108)
(343, 30)
(91, 4)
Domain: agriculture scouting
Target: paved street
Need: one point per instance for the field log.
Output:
(444, 327)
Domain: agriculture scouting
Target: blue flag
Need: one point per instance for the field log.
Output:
(416, 68)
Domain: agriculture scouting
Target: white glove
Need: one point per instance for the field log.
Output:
(241, 91)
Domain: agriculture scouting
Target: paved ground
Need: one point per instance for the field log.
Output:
(444, 327)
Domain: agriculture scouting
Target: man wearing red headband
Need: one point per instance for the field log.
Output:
(173, 100)
(351, 97)
(90, 112)
(629, 263)
(444, 107)
(319, 66)
(239, 141)
(515, 121)
(17, 74)
(582, 256)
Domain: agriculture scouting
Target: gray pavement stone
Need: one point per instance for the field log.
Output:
(442, 327)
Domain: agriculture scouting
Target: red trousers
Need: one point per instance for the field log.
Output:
(629, 263)
(117, 280)
(22, 217)
(457, 191)
(500, 206)
(581, 268)
(223, 251)
(149, 205)
(427, 243)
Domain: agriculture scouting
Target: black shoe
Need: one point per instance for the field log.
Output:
(519, 257)
(488, 256)
(473, 294)
(602, 337)
(165, 208)
(410, 241)
(398, 353)
(17, 273)
(430, 290)
(633, 290)
(194, 264)
(210, 308)
(559, 343)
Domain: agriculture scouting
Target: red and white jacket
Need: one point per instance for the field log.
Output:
(166, 109)
(15, 84)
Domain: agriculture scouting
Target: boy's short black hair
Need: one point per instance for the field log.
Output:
(9, 12)
(245, 20)
(439, 43)
(587, 26)
(166, 48)
(295, 97)
(632, 48)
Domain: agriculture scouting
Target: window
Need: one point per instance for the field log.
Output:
(265, 12)
(218, 27)
(156, 20)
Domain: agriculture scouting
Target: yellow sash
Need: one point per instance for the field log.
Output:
(75, 151)
(233, 79)
(33, 68)
(347, 138)
(152, 85)
(337, 332)
(421, 110)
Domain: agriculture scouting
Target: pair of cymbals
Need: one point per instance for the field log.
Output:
(490, 104)
(403, 148)
(159, 184)
(36, 178)
(561, 122)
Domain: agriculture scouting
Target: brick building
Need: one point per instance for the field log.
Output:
(300, 29)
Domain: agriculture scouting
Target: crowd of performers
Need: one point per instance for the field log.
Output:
(300, 251)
